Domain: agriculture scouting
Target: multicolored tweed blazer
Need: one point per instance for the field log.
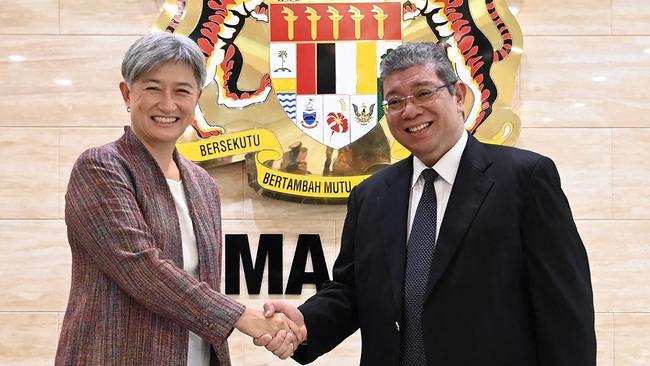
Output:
(131, 303)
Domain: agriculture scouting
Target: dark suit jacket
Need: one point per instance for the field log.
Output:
(509, 283)
(131, 302)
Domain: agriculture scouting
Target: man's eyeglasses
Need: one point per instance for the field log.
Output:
(395, 105)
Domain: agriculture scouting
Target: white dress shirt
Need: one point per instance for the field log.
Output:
(446, 167)
(198, 350)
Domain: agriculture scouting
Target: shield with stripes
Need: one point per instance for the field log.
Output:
(324, 61)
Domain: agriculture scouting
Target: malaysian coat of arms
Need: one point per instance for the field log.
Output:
(293, 86)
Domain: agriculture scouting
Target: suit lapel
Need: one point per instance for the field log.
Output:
(471, 186)
(200, 214)
(392, 206)
(154, 188)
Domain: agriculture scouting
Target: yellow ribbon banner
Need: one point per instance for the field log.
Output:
(268, 148)
(235, 143)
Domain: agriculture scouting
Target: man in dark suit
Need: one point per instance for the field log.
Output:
(476, 262)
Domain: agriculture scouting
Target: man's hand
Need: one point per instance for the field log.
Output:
(277, 344)
(261, 326)
(282, 344)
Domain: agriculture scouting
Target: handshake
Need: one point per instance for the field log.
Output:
(280, 327)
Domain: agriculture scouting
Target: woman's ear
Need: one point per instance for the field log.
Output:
(126, 93)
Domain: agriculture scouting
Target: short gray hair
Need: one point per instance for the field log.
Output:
(419, 53)
(155, 49)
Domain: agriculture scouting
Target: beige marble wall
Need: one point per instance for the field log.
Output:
(582, 97)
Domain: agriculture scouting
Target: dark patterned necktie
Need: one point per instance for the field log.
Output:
(419, 254)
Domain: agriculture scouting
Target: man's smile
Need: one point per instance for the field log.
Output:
(418, 128)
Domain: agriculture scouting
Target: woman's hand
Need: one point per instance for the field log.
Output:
(254, 324)
(273, 344)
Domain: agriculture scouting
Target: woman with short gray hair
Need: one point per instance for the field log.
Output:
(144, 228)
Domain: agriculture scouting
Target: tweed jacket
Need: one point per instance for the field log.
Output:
(131, 303)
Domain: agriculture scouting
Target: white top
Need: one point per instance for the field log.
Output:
(446, 167)
(198, 351)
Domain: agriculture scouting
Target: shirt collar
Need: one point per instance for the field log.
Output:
(446, 166)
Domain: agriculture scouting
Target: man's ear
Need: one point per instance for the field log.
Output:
(126, 93)
(461, 91)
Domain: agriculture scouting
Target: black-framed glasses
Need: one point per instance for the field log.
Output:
(395, 105)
